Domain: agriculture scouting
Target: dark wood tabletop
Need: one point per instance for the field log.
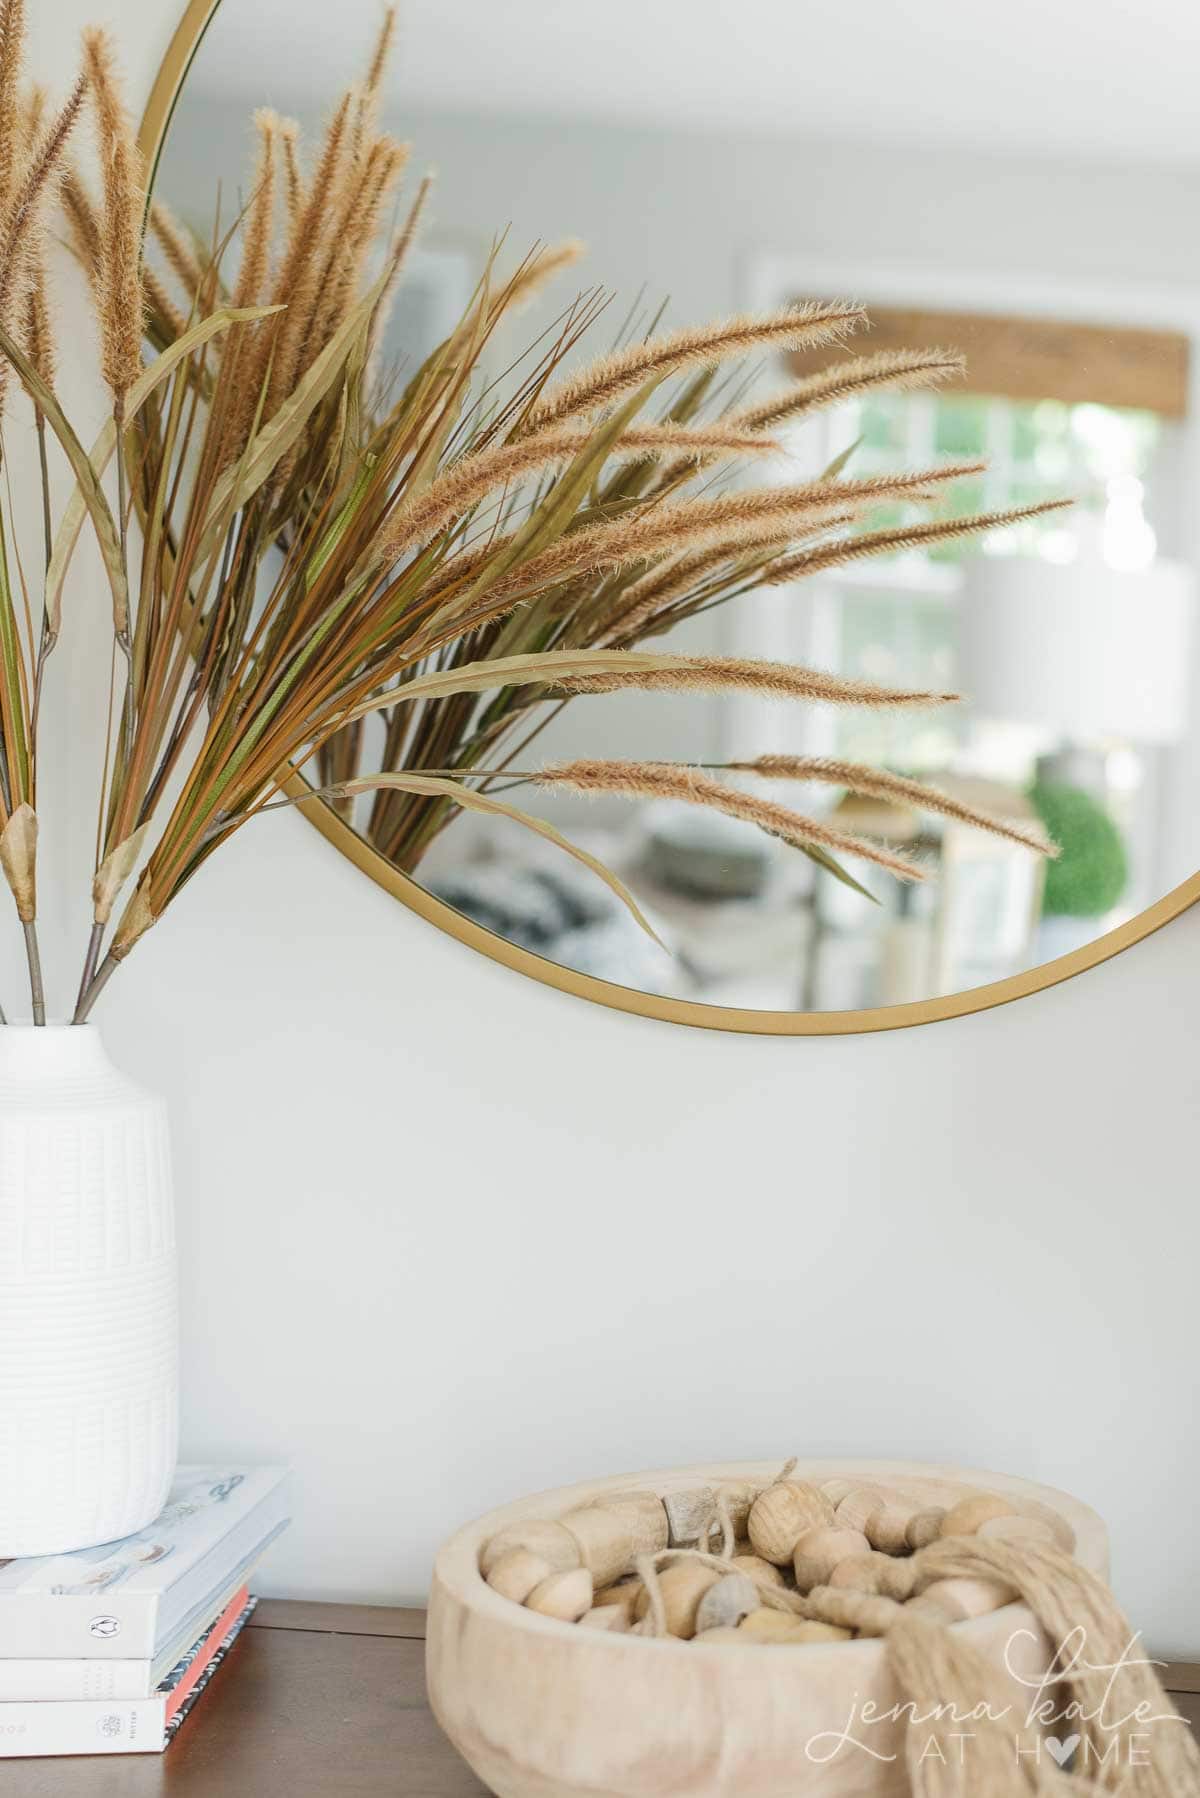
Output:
(314, 1701)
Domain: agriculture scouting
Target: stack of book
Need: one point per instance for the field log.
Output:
(108, 1649)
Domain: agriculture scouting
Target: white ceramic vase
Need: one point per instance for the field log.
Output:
(89, 1401)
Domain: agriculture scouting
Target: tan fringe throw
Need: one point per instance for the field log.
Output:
(1107, 1714)
(1131, 1740)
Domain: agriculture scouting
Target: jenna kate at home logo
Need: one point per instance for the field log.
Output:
(1100, 1737)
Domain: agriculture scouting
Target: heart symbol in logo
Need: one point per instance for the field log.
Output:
(1062, 1751)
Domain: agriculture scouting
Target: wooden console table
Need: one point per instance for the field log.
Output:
(315, 1701)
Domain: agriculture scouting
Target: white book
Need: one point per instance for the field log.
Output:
(128, 1600)
(113, 1726)
(49, 1680)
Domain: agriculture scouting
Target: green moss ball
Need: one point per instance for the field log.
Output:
(1092, 871)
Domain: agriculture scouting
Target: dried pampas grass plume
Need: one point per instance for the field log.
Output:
(537, 273)
(613, 376)
(877, 783)
(753, 516)
(655, 780)
(467, 482)
(121, 294)
(897, 370)
(913, 536)
(12, 51)
(773, 680)
(259, 228)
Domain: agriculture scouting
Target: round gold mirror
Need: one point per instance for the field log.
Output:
(1007, 358)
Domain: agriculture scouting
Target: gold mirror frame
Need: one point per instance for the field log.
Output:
(167, 88)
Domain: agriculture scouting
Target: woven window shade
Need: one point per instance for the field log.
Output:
(1036, 358)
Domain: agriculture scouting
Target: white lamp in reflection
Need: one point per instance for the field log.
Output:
(1084, 649)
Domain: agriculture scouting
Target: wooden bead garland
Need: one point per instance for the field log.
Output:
(681, 1586)
(726, 1602)
(887, 1528)
(785, 1563)
(820, 1550)
(780, 1515)
(556, 1546)
(516, 1573)
(564, 1595)
(605, 1541)
(646, 1516)
(964, 1518)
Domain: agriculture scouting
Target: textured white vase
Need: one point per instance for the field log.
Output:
(89, 1401)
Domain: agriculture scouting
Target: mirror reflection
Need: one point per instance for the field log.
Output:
(711, 167)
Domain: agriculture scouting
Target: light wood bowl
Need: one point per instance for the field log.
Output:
(542, 1709)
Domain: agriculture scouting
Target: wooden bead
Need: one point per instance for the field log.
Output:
(780, 1515)
(859, 1503)
(646, 1517)
(606, 1616)
(757, 1569)
(517, 1573)
(556, 1546)
(622, 1597)
(1017, 1530)
(605, 1542)
(564, 1595)
(818, 1552)
(864, 1612)
(925, 1527)
(687, 1513)
(963, 1598)
(836, 1490)
(887, 1529)
(964, 1518)
(682, 1585)
(768, 1626)
(725, 1604)
(810, 1630)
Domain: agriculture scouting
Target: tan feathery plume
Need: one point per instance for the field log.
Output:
(12, 54)
(122, 296)
(162, 309)
(773, 680)
(22, 244)
(655, 780)
(876, 783)
(39, 335)
(381, 54)
(615, 375)
(895, 369)
(297, 283)
(352, 238)
(177, 247)
(541, 269)
(646, 598)
(289, 142)
(466, 482)
(693, 524)
(83, 218)
(259, 229)
(913, 536)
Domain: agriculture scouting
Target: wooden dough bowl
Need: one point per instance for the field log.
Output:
(542, 1709)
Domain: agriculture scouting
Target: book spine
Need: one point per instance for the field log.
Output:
(30, 1682)
(102, 1727)
(104, 1626)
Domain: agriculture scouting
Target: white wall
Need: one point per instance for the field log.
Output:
(449, 1235)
